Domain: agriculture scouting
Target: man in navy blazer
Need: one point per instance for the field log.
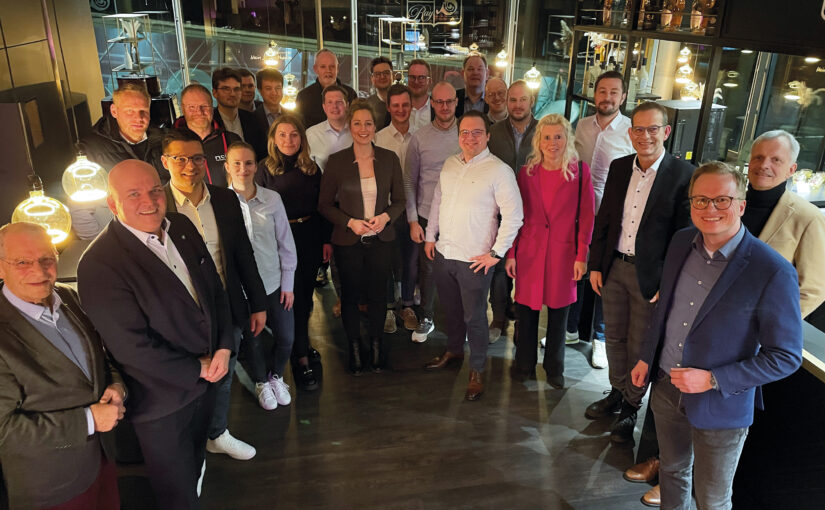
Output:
(152, 291)
(727, 322)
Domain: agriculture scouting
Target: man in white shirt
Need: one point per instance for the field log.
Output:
(396, 137)
(473, 189)
(331, 135)
(418, 79)
(600, 138)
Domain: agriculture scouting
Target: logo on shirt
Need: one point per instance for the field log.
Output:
(220, 157)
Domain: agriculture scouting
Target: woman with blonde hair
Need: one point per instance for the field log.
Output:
(289, 170)
(550, 252)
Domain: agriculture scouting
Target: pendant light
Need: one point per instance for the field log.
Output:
(533, 78)
(290, 92)
(271, 55)
(501, 59)
(45, 211)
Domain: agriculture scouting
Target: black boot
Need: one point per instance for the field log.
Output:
(606, 406)
(377, 355)
(355, 366)
(622, 429)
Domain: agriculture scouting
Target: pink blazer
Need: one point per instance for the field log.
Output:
(545, 248)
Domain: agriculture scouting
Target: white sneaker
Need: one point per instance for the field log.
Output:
(425, 327)
(266, 397)
(227, 444)
(200, 480)
(599, 357)
(495, 334)
(543, 341)
(280, 389)
(571, 338)
(389, 323)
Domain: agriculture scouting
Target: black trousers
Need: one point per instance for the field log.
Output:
(527, 339)
(364, 267)
(308, 246)
(173, 448)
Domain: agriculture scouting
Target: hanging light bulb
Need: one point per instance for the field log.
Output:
(501, 59)
(473, 49)
(684, 55)
(271, 55)
(533, 78)
(730, 81)
(290, 92)
(44, 211)
(84, 180)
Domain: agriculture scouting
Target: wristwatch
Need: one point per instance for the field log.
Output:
(494, 254)
(713, 383)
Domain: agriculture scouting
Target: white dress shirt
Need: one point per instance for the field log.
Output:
(420, 117)
(324, 140)
(466, 204)
(167, 252)
(203, 217)
(392, 139)
(599, 147)
(638, 191)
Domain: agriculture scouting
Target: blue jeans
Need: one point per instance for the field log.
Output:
(258, 359)
(691, 456)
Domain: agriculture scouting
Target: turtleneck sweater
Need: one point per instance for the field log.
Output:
(760, 205)
(298, 190)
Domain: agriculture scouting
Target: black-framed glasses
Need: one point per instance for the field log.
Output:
(651, 130)
(448, 102)
(25, 265)
(721, 202)
(197, 159)
(475, 133)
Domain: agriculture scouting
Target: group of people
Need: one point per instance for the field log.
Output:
(217, 228)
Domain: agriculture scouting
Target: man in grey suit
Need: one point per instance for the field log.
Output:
(58, 392)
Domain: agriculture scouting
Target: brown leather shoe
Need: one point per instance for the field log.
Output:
(336, 309)
(475, 388)
(643, 472)
(442, 361)
(653, 497)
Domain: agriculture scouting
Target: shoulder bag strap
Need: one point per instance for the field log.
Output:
(578, 210)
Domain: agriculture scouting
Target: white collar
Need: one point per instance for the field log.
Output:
(481, 155)
(654, 166)
(145, 237)
(33, 310)
(181, 199)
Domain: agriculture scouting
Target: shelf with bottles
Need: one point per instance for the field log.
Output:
(698, 17)
(602, 52)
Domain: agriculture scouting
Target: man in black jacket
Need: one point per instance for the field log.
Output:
(196, 103)
(645, 202)
(226, 87)
(309, 104)
(151, 289)
(216, 213)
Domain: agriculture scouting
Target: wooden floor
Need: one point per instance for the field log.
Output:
(406, 439)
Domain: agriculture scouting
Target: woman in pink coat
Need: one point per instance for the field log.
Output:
(550, 253)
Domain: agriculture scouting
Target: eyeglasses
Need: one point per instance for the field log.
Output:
(385, 74)
(195, 108)
(232, 90)
(476, 133)
(502, 93)
(448, 102)
(721, 202)
(417, 77)
(25, 265)
(640, 130)
(197, 159)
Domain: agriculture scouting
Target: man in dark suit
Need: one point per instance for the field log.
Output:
(216, 214)
(226, 87)
(711, 346)
(58, 392)
(471, 97)
(271, 86)
(645, 202)
(152, 291)
(309, 103)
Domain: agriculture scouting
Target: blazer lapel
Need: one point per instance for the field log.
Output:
(91, 353)
(782, 213)
(726, 279)
(660, 182)
(193, 263)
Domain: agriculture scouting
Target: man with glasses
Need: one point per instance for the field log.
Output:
(495, 95)
(474, 188)
(59, 393)
(418, 79)
(471, 97)
(226, 87)
(728, 322)
(196, 103)
(511, 140)
(309, 102)
(216, 214)
(428, 148)
(381, 75)
(645, 203)
(330, 135)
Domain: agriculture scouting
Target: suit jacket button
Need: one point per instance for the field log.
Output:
(547, 226)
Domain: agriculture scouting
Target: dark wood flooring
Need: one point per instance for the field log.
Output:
(406, 439)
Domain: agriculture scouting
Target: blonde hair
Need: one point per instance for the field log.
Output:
(536, 158)
(274, 162)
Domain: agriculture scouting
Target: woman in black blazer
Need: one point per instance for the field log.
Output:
(361, 194)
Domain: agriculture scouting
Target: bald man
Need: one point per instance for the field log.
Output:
(59, 395)
(152, 291)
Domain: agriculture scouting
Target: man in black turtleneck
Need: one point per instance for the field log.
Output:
(790, 224)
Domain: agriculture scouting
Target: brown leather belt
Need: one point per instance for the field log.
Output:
(301, 220)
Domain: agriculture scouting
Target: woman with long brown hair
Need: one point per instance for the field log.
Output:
(289, 170)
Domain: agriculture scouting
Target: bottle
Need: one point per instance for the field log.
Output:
(607, 12)
(652, 10)
(644, 78)
(632, 89)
